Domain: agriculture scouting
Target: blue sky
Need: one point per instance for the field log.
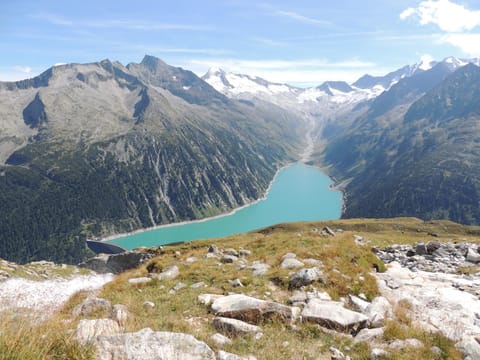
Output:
(302, 42)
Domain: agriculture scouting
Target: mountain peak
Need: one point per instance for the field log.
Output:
(214, 71)
(153, 63)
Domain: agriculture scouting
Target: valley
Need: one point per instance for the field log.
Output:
(94, 150)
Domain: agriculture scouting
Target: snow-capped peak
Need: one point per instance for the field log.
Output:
(426, 63)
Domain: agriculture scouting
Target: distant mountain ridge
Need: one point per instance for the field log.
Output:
(93, 149)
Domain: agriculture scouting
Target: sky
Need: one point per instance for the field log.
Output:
(302, 42)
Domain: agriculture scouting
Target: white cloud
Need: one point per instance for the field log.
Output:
(301, 18)
(468, 43)
(16, 73)
(117, 24)
(447, 15)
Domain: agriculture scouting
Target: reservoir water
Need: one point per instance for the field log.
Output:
(298, 193)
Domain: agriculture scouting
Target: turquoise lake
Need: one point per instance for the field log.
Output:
(298, 193)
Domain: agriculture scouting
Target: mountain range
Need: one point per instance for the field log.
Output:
(89, 150)
(94, 149)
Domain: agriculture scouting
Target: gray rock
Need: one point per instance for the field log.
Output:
(329, 231)
(297, 297)
(88, 330)
(177, 287)
(245, 253)
(313, 262)
(378, 311)
(198, 285)
(259, 269)
(220, 340)
(368, 335)
(306, 277)
(433, 246)
(191, 259)
(408, 343)
(473, 256)
(234, 327)
(470, 348)
(235, 283)
(232, 252)
(333, 315)
(357, 303)
(92, 305)
(207, 299)
(213, 249)
(337, 354)
(120, 314)
(147, 344)
(228, 259)
(420, 248)
(250, 309)
(148, 305)
(289, 256)
(377, 353)
(139, 281)
(291, 263)
(170, 273)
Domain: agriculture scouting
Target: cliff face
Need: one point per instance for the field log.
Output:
(88, 150)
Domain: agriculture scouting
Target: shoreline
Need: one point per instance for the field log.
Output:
(181, 223)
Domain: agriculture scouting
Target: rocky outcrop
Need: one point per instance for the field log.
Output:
(432, 256)
(147, 344)
(88, 330)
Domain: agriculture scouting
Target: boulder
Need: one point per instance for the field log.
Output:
(368, 335)
(259, 269)
(147, 344)
(228, 259)
(139, 281)
(250, 309)
(378, 311)
(207, 299)
(88, 330)
(220, 340)
(291, 263)
(420, 249)
(170, 273)
(232, 252)
(305, 277)
(473, 256)
(92, 305)
(234, 327)
(333, 315)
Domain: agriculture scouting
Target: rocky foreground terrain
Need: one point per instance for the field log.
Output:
(352, 289)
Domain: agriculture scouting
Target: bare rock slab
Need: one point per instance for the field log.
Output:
(89, 330)
(333, 315)
(250, 309)
(147, 344)
(234, 327)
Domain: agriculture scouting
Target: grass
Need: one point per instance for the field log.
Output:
(346, 266)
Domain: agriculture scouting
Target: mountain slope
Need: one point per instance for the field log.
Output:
(100, 148)
(417, 159)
